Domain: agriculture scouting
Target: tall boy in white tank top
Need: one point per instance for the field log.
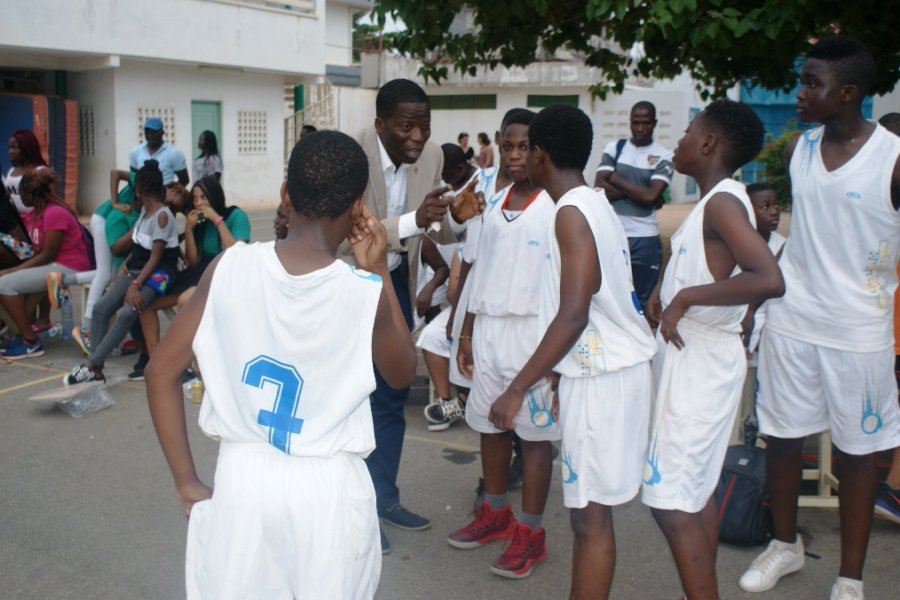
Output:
(288, 378)
(826, 355)
(597, 341)
(719, 264)
(499, 333)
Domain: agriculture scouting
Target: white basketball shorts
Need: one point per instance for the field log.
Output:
(283, 527)
(806, 389)
(501, 346)
(698, 390)
(605, 424)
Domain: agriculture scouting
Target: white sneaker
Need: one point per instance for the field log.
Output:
(778, 560)
(847, 589)
(444, 414)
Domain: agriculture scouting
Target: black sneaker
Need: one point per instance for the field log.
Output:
(81, 374)
(188, 375)
(399, 516)
(137, 373)
(887, 502)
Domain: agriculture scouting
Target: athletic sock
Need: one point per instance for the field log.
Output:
(497, 501)
(533, 521)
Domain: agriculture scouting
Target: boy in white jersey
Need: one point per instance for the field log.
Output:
(499, 333)
(287, 376)
(765, 209)
(719, 264)
(826, 353)
(596, 338)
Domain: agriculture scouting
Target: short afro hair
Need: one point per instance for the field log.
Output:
(891, 122)
(849, 60)
(327, 172)
(740, 128)
(453, 155)
(517, 116)
(759, 186)
(565, 133)
(395, 92)
(645, 105)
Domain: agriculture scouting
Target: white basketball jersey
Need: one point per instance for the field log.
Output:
(487, 185)
(688, 266)
(840, 260)
(506, 276)
(287, 360)
(617, 335)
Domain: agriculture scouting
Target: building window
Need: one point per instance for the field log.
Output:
(541, 100)
(86, 130)
(463, 102)
(252, 131)
(168, 118)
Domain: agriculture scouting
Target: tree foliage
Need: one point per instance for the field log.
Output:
(368, 37)
(718, 42)
(772, 159)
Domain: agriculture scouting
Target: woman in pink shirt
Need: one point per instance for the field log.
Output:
(58, 245)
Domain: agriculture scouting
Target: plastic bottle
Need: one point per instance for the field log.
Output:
(66, 319)
(197, 390)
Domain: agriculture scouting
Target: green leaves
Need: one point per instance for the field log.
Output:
(718, 42)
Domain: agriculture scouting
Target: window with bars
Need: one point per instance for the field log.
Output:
(86, 130)
(252, 132)
(168, 118)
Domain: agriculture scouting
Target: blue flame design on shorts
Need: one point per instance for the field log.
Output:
(568, 473)
(540, 412)
(652, 476)
(871, 421)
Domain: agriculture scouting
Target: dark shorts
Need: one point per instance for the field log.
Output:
(646, 258)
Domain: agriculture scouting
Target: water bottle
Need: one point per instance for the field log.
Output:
(197, 390)
(66, 320)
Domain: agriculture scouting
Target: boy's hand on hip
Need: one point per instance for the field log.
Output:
(191, 493)
(464, 357)
(668, 324)
(504, 410)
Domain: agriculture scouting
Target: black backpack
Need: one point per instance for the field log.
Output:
(742, 496)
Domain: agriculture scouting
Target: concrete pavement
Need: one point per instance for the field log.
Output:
(87, 510)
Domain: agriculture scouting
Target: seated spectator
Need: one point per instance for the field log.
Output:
(210, 228)
(446, 409)
(15, 246)
(58, 244)
(25, 155)
(147, 274)
(117, 209)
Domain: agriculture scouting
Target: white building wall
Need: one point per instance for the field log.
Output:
(355, 108)
(610, 118)
(888, 103)
(248, 179)
(199, 31)
(338, 35)
(94, 90)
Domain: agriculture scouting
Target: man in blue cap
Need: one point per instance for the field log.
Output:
(170, 159)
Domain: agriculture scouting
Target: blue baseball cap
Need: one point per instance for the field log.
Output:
(154, 123)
